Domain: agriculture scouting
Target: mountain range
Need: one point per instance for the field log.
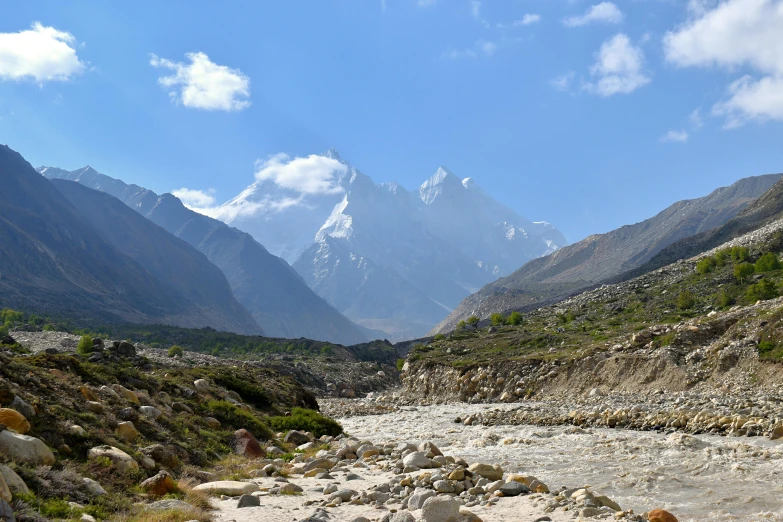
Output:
(55, 260)
(631, 249)
(387, 258)
(274, 294)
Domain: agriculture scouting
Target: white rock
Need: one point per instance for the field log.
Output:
(418, 459)
(230, 488)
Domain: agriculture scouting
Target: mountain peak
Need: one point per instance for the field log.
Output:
(443, 180)
(332, 153)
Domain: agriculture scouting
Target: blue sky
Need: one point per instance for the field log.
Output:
(585, 114)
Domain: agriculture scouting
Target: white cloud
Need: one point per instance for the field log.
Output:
(528, 19)
(605, 12)
(195, 198)
(618, 68)
(311, 175)
(425, 3)
(475, 12)
(203, 84)
(675, 136)
(563, 82)
(732, 35)
(40, 53)
(480, 47)
(696, 119)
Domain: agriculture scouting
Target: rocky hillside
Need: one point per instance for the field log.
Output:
(700, 325)
(171, 260)
(604, 256)
(278, 299)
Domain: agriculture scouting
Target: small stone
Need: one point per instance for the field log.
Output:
(513, 489)
(150, 412)
(6, 513)
(659, 515)
(212, 422)
(230, 488)
(488, 471)
(296, 437)
(248, 501)
(418, 459)
(87, 518)
(22, 407)
(126, 394)
(440, 509)
(777, 432)
(419, 497)
(443, 486)
(14, 482)
(127, 431)
(78, 430)
(93, 487)
(290, 489)
(159, 485)
(343, 494)
(94, 407)
(201, 385)
(244, 443)
(123, 462)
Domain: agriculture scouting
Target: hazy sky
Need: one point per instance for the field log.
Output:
(587, 115)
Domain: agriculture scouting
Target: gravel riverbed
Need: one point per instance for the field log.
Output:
(697, 477)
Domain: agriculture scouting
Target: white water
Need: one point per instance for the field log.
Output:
(696, 478)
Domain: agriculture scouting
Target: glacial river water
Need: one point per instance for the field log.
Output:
(702, 478)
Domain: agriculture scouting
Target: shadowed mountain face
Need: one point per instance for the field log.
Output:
(276, 296)
(166, 257)
(607, 256)
(53, 261)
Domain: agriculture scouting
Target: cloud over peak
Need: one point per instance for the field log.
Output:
(203, 84)
(618, 69)
(311, 175)
(40, 53)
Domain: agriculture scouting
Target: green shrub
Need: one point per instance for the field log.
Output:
(473, 321)
(761, 291)
(742, 271)
(514, 318)
(462, 325)
(250, 392)
(497, 319)
(400, 364)
(439, 337)
(725, 299)
(236, 418)
(770, 350)
(767, 263)
(85, 346)
(175, 351)
(326, 350)
(306, 420)
(740, 253)
(706, 265)
(686, 300)
(720, 257)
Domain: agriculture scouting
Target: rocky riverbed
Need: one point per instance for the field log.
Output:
(697, 477)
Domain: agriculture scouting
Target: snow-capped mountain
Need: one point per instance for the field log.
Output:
(385, 257)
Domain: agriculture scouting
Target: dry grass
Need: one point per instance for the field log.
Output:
(235, 467)
(169, 515)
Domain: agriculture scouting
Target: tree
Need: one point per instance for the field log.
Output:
(742, 271)
(462, 325)
(175, 351)
(686, 300)
(514, 318)
(706, 265)
(767, 263)
(473, 321)
(85, 346)
(725, 299)
(739, 253)
(497, 319)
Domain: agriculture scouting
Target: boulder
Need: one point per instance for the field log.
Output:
(150, 412)
(94, 407)
(244, 443)
(5, 491)
(127, 431)
(231, 488)
(181, 407)
(123, 348)
(419, 497)
(212, 422)
(248, 501)
(319, 463)
(22, 407)
(429, 447)
(162, 455)
(418, 459)
(6, 513)
(343, 494)
(296, 437)
(400, 516)
(777, 432)
(14, 482)
(122, 461)
(13, 420)
(23, 448)
(513, 489)
(659, 515)
(440, 509)
(93, 487)
(159, 485)
(170, 504)
(488, 471)
(201, 385)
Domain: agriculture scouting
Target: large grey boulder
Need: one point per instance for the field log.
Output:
(6, 513)
(418, 459)
(14, 482)
(23, 448)
(419, 497)
(440, 509)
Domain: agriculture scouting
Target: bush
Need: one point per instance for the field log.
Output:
(725, 299)
(767, 263)
(473, 321)
(237, 418)
(514, 318)
(742, 271)
(721, 257)
(462, 325)
(740, 253)
(326, 350)
(175, 351)
(761, 291)
(400, 364)
(497, 319)
(306, 420)
(85, 346)
(439, 337)
(706, 265)
(686, 300)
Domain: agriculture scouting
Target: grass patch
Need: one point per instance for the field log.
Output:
(306, 420)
